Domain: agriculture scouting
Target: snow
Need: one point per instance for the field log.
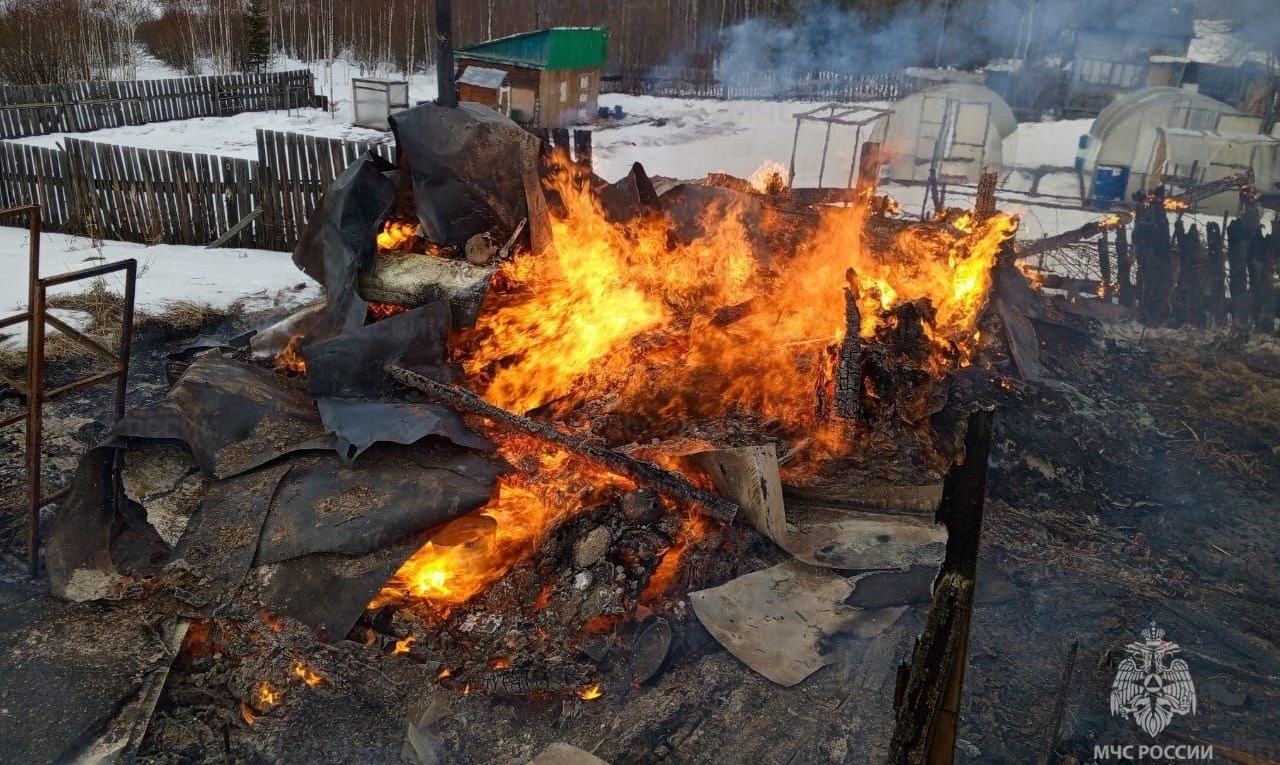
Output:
(225, 136)
(1216, 43)
(167, 274)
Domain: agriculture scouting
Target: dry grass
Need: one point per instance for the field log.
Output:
(1225, 405)
(104, 308)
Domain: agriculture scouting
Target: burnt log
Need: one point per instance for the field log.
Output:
(666, 482)
(1104, 264)
(1152, 241)
(848, 402)
(1124, 267)
(1262, 269)
(415, 279)
(1238, 271)
(1215, 273)
(1067, 238)
(1191, 284)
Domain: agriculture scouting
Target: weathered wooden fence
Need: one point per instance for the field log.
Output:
(150, 196)
(294, 171)
(810, 86)
(27, 110)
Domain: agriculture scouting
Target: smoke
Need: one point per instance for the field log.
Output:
(948, 33)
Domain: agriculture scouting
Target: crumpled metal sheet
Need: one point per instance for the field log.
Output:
(853, 541)
(776, 621)
(340, 237)
(360, 424)
(352, 365)
(321, 506)
(466, 165)
(234, 416)
(220, 545)
(77, 549)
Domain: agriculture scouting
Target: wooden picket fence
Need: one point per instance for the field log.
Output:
(679, 82)
(152, 196)
(27, 110)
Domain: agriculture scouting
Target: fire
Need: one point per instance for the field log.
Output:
(385, 310)
(445, 673)
(1173, 203)
(499, 662)
(769, 178)
(290, 360)
(593, 692)
(544, 596)
(402, 646)
(275, 623)
(548, 487)
(1112, 221)
(247, 714)
(615, 310)
(267, 696)
(306, 674)
(666, 576)
(397, 235)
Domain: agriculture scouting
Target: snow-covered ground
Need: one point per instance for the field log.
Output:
(225, 136)
(167, 274)
(679, 138)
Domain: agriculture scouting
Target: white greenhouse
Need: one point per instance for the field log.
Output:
(958, 128)
(1151, 133)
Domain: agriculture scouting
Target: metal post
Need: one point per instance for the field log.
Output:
(35, 422)
(822, 168)
(853, 163)
(795, 141)
(448, 95)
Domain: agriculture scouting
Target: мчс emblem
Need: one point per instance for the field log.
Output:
(1151, 685)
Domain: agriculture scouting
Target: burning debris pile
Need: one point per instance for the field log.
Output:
(518, 431)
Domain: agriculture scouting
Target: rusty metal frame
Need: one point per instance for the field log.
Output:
(33, 390)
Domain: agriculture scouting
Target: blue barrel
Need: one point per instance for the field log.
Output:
(1109, 185)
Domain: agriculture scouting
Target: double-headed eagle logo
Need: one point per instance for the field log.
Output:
(1151, 685)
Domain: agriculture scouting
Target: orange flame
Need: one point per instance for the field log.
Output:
(444, 673)
(769, 178)
(613, 310)
(307, 675)
(397, 235)
(247, 714)
(266, 695)
(593, 692)
(275, 623)
(1173, 203)
(528, 503)
(290, 360)
(402, 646)
(499, 662)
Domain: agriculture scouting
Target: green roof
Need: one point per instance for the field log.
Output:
(554, 48)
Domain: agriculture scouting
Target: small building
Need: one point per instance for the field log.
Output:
(550, 78)
(1123, 47)
(957, 129)
(1119, 156)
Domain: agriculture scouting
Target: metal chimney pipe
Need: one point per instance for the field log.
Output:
(444, 54)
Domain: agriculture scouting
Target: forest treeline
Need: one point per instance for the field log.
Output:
(68, 40)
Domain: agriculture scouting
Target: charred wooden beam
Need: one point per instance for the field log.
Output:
(928, 715)
(448, 95)
(666, 482)
(1068, 238)
(848, 402)
(1188, 199)
(1104, 264)
(1124, 267)
(1238, 271)
(1216, 273)
(415, 279)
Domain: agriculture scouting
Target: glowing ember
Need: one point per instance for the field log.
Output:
(769, 178)
(402, 646)
(544, 597)
(275, 623)
(527, 504)
(444, 673)
(385, 310)
(307, 675)
(290, 360)
(397, 235)
(267, 696)
(593, 692)
(499, 662)
(247, 714)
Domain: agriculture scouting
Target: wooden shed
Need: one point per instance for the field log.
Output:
(552, 76)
